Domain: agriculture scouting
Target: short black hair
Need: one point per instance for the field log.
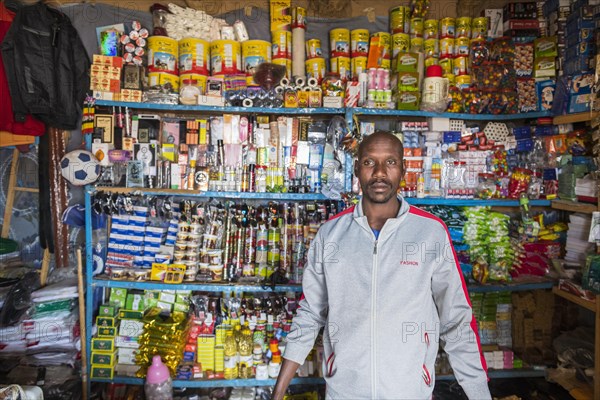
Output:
(381, 134)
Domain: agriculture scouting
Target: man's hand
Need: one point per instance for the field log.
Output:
(287, 372)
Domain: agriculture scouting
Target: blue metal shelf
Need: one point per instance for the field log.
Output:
(472, 117)
(440, 201)
(220, 195)
(505, 374)
(216, 109)
(211, 383)
(203, 287)
(511, 287)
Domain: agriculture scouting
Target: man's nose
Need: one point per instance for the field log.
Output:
(380, 169)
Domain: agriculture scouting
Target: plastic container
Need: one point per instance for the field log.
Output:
(159, 385)
(486, 187)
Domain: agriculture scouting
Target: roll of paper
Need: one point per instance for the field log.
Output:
(279, 89)
(247, 103)
(284, 82)
(299, 81)
(313, 82)
(298, 52)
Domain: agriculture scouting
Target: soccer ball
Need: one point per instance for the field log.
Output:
(80, 167)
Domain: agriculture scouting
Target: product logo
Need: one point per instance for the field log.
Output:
(409, 263)
(408, 60)
(408, 80)
(408, 98)
(545, 46)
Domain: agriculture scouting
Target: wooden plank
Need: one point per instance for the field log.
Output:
(590, 305)
(45, 267)
(574, 206)
(26, 189)
(572, 118)
(10, 139)
(10, 196)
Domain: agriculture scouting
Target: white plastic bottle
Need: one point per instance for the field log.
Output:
(159, 385)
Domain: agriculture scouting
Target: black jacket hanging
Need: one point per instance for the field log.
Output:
(47, 66)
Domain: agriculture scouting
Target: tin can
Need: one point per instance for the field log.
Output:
(461, 46)
(194, 56)
(447, 28)
(451, 79)
(282, 44)
(225, 57)
(460, 66)
(431, 47)
(416, 45)
(313, 49)
(254, 53)
(463, 82)
(431, 61)
(446, 47)
(400, 19)
(163, 53)
(359, 43)
(298, 17)
(479, 28)
(385, 41)
(430, 29)
(194, 80)
(446, 64)
(339, 42)
(341, 66)
(358, 65)
(315, 68)
(463, 27)
(400, 44)
(287, 63)
(162, 78)
(416, 27)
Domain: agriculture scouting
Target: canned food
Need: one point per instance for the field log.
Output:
(254, 53)
(341, 66)
(416, 45)
(339, 40)
(400, 43)
(163, 53)
(463, 27)
(431, 47)
(479, 28)
(313, 49)
(430, 29)
(446, 64)
(315, 68)
(447, 47)
(225, 57)
(416, 27)
(163, 78)
(359, 43)
(461, 46)
(447, 28)
(358, 65)
(400, 19)
(463, 82)
(460, 65)
(429, 61)
(282, 44)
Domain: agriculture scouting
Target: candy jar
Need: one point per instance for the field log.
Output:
(486, 188)
(159, 19)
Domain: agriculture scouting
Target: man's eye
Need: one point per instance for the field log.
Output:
(391, 162)
(368, 162)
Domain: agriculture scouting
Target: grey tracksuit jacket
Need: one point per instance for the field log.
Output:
(385, 306)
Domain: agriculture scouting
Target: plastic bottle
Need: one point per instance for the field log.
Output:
(231, 356)
(159, 385)
(420, 186)
(246, 346)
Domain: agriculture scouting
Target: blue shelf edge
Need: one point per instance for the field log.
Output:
(214, 287)
(220, 195)
(473, 202)
(203, 287)
(323, 110)
(226, 109)
(492, 374)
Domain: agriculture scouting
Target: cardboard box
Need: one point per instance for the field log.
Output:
(126, 356)
(106, 321)
(127, 342)
(409, 100)
(333, 102)
(580, 103)
(131, 95)
(106, 359)
(108, 96)
(131, 314)
(100, 150)
(103, 344)
(135, 302)
(108, 61)
(408, 62)
(107, 331)
(408, 81)
(118, 296)
(102, 372)
(495, 21)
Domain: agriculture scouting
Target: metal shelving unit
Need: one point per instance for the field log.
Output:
(473, 202)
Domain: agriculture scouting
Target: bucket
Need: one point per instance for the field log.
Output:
(339, 42)
(254, 53)
(161, 78)
(162, 54)
(359, 43)
(225, 57)
(194, 56)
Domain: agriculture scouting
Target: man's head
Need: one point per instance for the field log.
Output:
(380, 167)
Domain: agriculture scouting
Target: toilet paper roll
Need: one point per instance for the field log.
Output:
(284, 82)
(279, 89)
(300, 81)
(298, 52)
(247, 103)
(313, 82)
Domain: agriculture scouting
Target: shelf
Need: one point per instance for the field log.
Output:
(228, 110)
(434, 201)
(505, 374)
(221, 195)
(512, 287)
(590, 305)
(317, 111)
(472, 117)
(212, 383)
(216, 287)
(574, 206)
(202, 287)
(572, 118)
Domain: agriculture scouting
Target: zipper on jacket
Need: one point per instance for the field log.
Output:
(374, 323)
(55, 30)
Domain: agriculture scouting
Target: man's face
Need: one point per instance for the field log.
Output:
(379, 169)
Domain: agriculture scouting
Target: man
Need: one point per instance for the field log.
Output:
(383, 281)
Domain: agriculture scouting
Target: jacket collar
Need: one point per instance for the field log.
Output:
(389, 225)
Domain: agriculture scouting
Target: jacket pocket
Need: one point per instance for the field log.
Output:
(425, 368)
(36, 31)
